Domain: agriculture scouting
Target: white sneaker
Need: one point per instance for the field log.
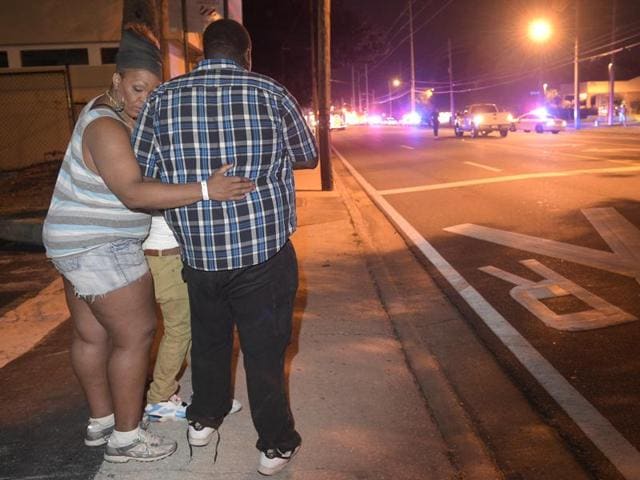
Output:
(172, 409)
(273, 460)
(236, 406)
(148, 447)
(199, 435)
(97, 434)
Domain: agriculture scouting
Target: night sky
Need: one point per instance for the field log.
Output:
(492, 56)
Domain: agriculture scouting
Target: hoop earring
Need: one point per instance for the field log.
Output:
(118, 106)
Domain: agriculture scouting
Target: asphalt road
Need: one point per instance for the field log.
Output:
(536, 238)
(24, 271)
(24, 194)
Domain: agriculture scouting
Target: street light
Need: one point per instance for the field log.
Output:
(540, 30)
(395, 83)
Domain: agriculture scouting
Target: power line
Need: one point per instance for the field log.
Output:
(396, 21)
(406, 23)
(592, 47)
(522, 76)
(379, 62)
(496, 79)
(562, 62)
(388, 98)
(401, 42)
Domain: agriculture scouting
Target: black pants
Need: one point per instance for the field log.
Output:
(259, 300)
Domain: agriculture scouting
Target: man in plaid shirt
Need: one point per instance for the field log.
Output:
(239, 264)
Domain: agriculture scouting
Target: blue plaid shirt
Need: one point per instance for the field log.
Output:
(221, 114)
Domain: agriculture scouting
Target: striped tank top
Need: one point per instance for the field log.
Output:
(84, 213)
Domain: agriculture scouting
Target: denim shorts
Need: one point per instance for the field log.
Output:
(104, 269)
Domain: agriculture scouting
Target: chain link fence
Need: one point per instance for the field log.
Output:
(36, 117)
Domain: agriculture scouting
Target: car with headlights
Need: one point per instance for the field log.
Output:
(482, 119)
(540, 122)
(337, 122)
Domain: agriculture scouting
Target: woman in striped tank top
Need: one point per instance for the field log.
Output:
(93, 234)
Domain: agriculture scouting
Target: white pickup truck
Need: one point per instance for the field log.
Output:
(482, 119)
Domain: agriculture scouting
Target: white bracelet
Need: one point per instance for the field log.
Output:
(205, 190)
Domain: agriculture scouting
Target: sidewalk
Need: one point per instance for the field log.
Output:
(356, 403)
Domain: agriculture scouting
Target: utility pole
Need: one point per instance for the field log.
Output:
(353, 88)
(576, 80)
(314, 60)
(185, 36)
(451, 104)
(324, 92)
(359, 94)
(612, 73)
(366, 87)
(413, 62)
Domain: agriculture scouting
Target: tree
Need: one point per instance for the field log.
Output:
(353, 39)
(281, 35)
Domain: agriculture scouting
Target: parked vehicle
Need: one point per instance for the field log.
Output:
(540, 122)
(482, 119)
(337, 122)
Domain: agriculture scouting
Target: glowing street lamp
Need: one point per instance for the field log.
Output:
(395, 83)
(540, 30)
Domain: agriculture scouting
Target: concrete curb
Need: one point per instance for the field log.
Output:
(468, 452)
(21, 230)
(484, 417)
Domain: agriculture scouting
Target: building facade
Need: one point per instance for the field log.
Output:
(56, 55)
(595, 95)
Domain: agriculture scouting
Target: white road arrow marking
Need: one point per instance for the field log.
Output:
(529, 293)
(620, 235)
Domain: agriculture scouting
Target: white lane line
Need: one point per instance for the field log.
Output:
(407, 147)
(486, 167)
(613, 150)
(607, 139)
(509, 178)
(626, 162)
(501, 145)
(624, 456)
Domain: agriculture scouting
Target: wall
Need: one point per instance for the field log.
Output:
(25, 22)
